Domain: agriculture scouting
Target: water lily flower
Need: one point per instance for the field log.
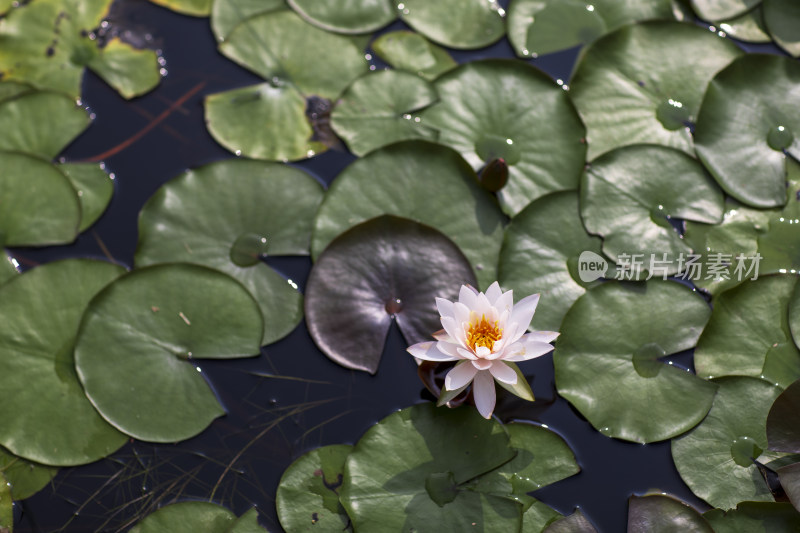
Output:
(485, 332)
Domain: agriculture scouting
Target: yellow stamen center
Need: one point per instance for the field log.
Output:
(483, 333)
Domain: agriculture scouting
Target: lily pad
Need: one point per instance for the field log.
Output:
(46, 417)
(195, 8)
(24, 477)
(464, 24)
(10, 89)
(376, 110)
(308, 493)
(147, 330)
(644, 84)
(749, 27)
(187, 517)
(346, 16)
(574, 523)
(537, 27)
(507, 126)
(22, 120)
(386, 268)
(247, 523)
(790, 481)
(748, 334)
(537, 517)
(714, 10)
(7, 269)
(782, 18)
(406, 50)
(716, 458)
(606, 359)
(40, 207)
(404, 474)
(659, 513)
(541, 254)
(227, 14)
(228, 216)
(755, 517)
(421, 181)
(783, 422)
(629, 195)
(130, 71)
(6, 507)
(747, 126)
(94, 188)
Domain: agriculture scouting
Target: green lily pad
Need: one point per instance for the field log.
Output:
(6, 507)
(538, 516)
(541, 254)
(574, 523)
(629, 194)
(659, 513)
(41, 311)
(790, 481)
(748, 334)
(465, 24)
(383, 269)
(227, 14)
(755, 517)
(783, 422)
(24, 477)
(130, 71)
(406, 50)
(280, 47)
(749, 121)
(22, 118)
(308, 493)
(537, 27)
(376, 110)
(644, 84)
(508, 126)
(716, 458)
(749, 27)
(247, 523)
(7, 269)
(40, 207)
(404, 474)
(94, 188)
(146, 330)
(227, 216)
(10, 89)
(346, 16)
(187, 517)
(782, 18)
(195, 8)
(421, 181)
(713, 10)
(606, 359)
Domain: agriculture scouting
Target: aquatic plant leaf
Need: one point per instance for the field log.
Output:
(40, 206)
(748, 333)
(41, 310)
(94, 188)
(24, 477)
(6, 507)
(783, 422)
(659, 513)
(755, 517)
(7, 268)
(714, 10)
(748, 27)
(748, 123)
(404, 473)
(40, 123)
(606, 359)
(227, 14)
(130, 71)
(644, 84)
(629, 195)
(574, 523)
(10, 89)
(716, 458)
(376, 110)
(536, 27)
(228, 216)
(308, 492)
(406, 50)
(540, 254)
(385, 268)
(421, 181)
(464, 24)
(782, 18)
(346, 16)
(146, 330)
(247, 523)
(195, 8)
(187, 517)
(282, 48)
(537, 516)
(494, 109)
(790, 481)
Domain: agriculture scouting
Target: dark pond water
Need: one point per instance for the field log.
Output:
(308, 401)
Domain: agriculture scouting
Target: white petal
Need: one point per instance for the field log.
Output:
(466, 353)
(445, 307)
(484, 394)
(503, 372)
(461, 314)
(468, 296)
(449, 348)
(543, 336)
(459, 376)
(482, 364)
(493, 292)
(510, 335)
(455, 332)
(526, 349)
(523, 311)
(484, 308)
(482, 351)
(429, 351)
(442, 335)
(505, 302)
